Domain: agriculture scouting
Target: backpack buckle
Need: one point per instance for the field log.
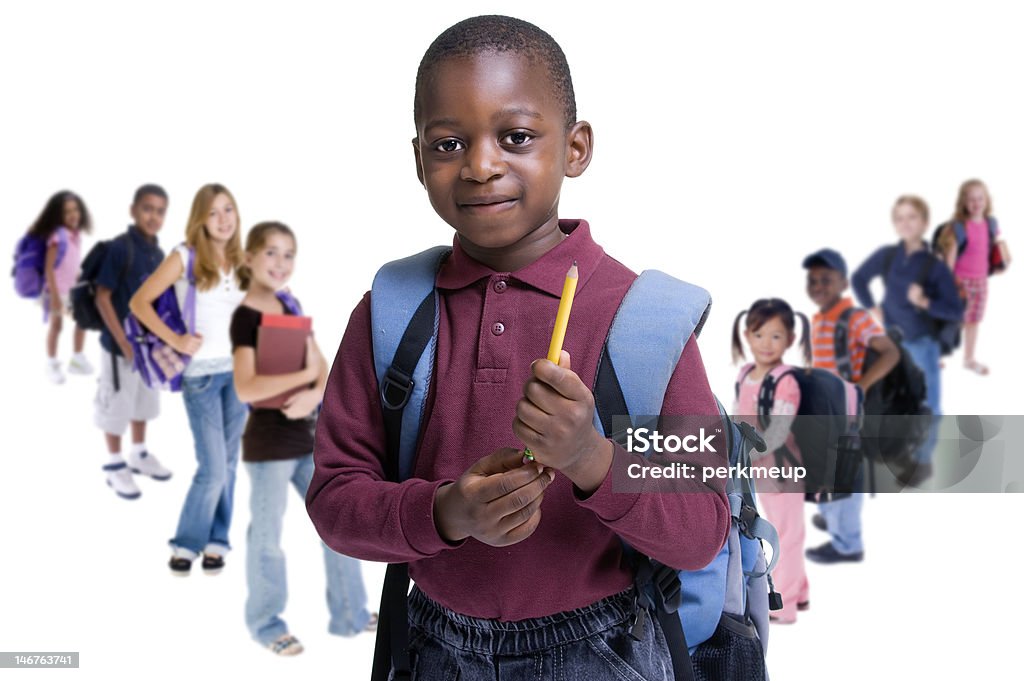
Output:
(395, 389)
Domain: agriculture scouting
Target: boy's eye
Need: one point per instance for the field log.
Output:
(448, 145)
(517, 139)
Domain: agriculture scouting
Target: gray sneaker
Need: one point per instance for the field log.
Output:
(120, 479)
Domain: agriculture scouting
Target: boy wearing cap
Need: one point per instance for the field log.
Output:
(826, 281)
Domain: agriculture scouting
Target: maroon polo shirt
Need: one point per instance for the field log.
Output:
(492, 326)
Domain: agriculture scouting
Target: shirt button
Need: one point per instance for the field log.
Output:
(500, 286)
(497, 328)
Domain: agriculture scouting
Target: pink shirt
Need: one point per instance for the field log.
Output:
(492, 326)
(787, 403)
(973, 262)
(66, 272)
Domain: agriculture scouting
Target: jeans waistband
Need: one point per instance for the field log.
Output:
(494, 637)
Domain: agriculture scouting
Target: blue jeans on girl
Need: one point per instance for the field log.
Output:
(265, 566)
(588, 643)
(216, 418)
(925, 352)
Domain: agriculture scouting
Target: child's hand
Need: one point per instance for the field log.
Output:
(496, 501)
(188, 344)
(555, 419)
(915, 294)
(301, 404)
(127, 352)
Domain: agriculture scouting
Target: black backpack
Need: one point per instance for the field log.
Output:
(894, 407)
(83, 294)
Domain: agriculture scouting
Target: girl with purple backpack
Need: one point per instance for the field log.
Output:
(770, 330)
(277, 449)
(59, 227)
(208, 296)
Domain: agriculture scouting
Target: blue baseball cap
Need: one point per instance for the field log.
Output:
(828, 258)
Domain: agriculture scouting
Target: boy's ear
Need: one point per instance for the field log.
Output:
(579, 148)
(419, 161)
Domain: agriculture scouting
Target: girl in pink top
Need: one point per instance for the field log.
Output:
(969, 259)
(60, 224)
(770, 331)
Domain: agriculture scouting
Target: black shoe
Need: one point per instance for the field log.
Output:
(827, 554)
(212, 565)
(819, 522)
(180, 567)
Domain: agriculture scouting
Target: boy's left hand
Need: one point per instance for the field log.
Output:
(301, 404)
(555, 419)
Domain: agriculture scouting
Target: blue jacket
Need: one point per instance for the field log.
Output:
(940, 289)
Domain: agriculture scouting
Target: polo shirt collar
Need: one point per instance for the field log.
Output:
(546, 273)
(832, 314)
(136, 233)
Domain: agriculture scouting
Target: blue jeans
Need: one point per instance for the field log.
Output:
(264, 561)
(925, 352)
(843, 517)
(216, 418)
(588, 643)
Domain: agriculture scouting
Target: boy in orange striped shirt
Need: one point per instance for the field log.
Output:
(826, 281)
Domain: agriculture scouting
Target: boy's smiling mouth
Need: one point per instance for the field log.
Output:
(490, 203)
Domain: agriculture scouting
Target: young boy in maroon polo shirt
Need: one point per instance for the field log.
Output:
(513, 561)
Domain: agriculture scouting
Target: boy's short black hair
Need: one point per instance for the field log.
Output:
(496, 33)
(147, 190)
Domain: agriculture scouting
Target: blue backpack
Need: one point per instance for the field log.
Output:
(159, 365)
(30, 263)
(715, 619)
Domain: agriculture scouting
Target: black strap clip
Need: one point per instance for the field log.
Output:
(396, 388)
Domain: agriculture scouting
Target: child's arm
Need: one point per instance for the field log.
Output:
(888, 357)
(50, 272)
(252, 387)
(141, 305)
(683, 530)
(861, 279)
(106, 309)
(304, 403)
(946, 302)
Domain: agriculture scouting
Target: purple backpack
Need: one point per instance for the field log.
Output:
(30, 263)
(159, 365)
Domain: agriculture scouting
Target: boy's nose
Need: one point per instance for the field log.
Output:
(483, 163)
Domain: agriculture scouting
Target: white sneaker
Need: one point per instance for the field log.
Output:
(147, 464)
(79, 364)
(120, 479)
(53, 372)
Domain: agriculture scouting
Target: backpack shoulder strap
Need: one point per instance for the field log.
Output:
(960, 231)
(653, 324)
(744, 372)
(993, 229)
(841, 340)
(290, 303)
(404, 317)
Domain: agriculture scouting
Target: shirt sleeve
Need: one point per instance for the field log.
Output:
(686, 527)
(244, 325)
(354, 508)
(785, 407)
(944, 300)
(861, 279)
(112, 266)
(864, 328)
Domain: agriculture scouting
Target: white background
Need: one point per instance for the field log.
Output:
(730, 141)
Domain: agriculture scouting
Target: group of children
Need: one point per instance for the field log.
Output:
(492, 537)
(922, 290)
(223, 295)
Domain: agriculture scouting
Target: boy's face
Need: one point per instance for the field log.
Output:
(149, 213)
(825, 286)
(492, 149)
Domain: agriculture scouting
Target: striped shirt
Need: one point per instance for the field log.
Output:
(863, 328)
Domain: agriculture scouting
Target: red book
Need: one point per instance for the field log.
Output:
(281, 349)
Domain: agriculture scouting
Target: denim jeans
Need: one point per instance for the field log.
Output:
(590, 644)
(843, 517)
(216, 418)
(925, 352)
(264, 561)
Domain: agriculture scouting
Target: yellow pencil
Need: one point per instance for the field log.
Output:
(572, 278)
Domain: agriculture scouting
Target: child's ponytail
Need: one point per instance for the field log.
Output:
(805, 338)
(737, 345)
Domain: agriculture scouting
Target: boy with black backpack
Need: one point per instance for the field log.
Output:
(122, 397)
(496, 135)
(826, 281)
